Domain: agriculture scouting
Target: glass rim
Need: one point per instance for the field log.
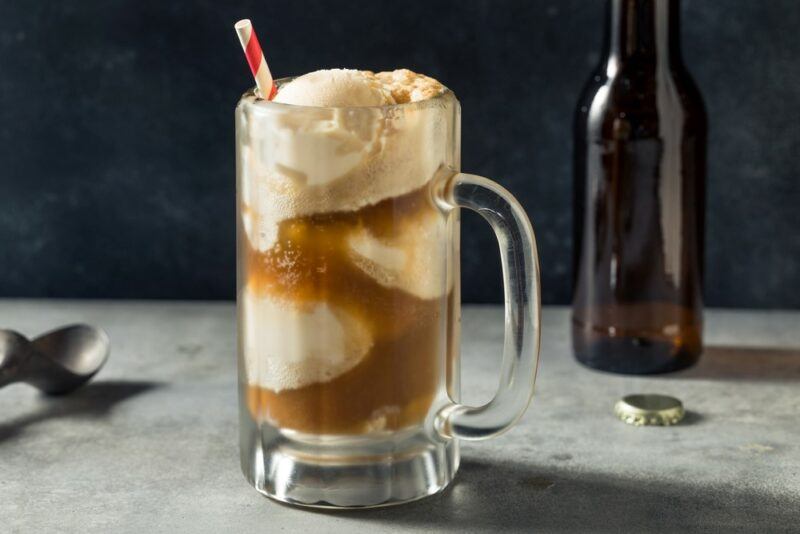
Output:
(266, 104)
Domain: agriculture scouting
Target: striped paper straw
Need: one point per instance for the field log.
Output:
(255, 58)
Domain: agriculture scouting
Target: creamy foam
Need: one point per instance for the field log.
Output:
(408, 86)
(329, 160)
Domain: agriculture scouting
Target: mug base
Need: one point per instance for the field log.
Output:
(365, 473)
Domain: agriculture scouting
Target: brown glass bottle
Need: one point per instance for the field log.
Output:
(639, 164)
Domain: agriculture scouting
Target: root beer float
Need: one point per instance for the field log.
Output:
(349, 190)
(345, 283)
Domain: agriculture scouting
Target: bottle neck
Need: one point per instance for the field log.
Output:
(647, 30)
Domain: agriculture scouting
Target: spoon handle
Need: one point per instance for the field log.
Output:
(15, 355)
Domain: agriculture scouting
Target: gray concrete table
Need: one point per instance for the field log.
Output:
(151, 446)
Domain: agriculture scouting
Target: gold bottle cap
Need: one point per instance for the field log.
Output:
(649, 409)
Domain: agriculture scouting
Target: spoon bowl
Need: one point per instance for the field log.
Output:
(66, 358)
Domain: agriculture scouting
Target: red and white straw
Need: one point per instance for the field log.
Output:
(255, 58)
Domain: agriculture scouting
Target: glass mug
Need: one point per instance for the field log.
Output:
(348, 301)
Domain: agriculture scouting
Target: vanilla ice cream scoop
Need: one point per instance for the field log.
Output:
(403, 261)
(335, 88)
(289, 345)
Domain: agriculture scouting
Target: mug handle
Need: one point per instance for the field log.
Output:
(522, 296)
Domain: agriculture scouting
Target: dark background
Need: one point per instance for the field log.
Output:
(117, 151)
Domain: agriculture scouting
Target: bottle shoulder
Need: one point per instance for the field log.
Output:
(633, 100)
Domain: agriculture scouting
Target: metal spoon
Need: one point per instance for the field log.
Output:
(56, 362)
